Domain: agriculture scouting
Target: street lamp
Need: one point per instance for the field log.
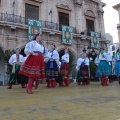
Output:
(50, 13)
(13, 7)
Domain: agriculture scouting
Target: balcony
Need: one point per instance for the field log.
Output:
(88, 33)
(21, 21)
(12, 18)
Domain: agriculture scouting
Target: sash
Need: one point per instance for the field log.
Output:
(82, 64)
(37, 52)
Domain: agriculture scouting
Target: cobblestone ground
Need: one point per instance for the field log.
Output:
(93, 102)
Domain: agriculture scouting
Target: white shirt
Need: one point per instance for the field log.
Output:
(54, 55)
(13, 59)
(33, 46)
(79, 61)
(65, 58)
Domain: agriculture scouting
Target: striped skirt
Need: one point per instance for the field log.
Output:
(64, 70)
(51, 70)
(33, 67)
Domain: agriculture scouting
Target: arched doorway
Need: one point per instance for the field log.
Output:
(2, 68)
(72, 63)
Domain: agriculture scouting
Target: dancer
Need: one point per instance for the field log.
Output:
(79, 61)
(117, 64)
(33, 68)
(64, 69)
(104, 70)
(52, 67)
(16, 61)
(84, 70)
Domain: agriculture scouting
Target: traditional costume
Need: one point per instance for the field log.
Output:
(52, 68)
(64, 70)
(16, 61)
(117, 64)
(60, 78)
(78, 79)
(33, 68)
(83, 70)
(104, 70)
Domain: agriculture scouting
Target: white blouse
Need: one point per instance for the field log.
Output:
(33, 46)
(106, 57)
(79, 62)
(65, 58)
(13, 59)
(86, 61)
(54, 56)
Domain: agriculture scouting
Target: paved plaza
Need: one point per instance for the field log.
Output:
(93, 102)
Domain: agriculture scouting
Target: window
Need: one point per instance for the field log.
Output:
(90, 26)
(113, 48)
(63, 19)
(31, 12)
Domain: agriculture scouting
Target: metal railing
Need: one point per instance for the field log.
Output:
(88, 33)
(12, 18)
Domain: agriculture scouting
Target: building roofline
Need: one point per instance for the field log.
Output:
(116, 6)
(103, 4)
(98, 1)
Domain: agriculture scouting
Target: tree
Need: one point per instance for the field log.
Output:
(1, 54)
(7, 55)
(70, 61)
(93, 69)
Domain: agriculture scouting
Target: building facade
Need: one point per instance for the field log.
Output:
(117, 7)
(83, 16)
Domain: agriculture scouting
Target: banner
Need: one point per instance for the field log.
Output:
(34, 27)
(94, 39)
(67, 35)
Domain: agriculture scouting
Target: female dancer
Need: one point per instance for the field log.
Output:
(84, 70)
(64, 69)
(52, 67)
(104, 70)
(117, 64)
(33, 68)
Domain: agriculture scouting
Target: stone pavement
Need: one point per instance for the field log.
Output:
(93, 102)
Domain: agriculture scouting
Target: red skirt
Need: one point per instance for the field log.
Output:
(64, 70)
(33, 67)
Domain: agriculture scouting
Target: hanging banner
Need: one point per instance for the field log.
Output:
(34, 27)
(67, 35)
(94, 39)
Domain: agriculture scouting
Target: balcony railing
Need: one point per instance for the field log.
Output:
(12, 18)
(5, 17)
(88, 33)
